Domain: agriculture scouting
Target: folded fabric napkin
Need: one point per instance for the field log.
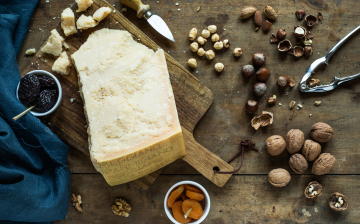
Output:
(34, 181)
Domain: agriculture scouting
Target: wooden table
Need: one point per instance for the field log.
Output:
(247, 197)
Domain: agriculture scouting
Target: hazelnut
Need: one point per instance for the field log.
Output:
(201, 52)
(226, 43)
(259, 89)
(283, 81)
(311, 150)
(275, 145)
(212, 28)
(308, 51)
(313, 82)
(247, 70)
(321, 132)
(251, 106)
(267, 26)
(279, 177)
(338, 202)
(215, 37)
(237, 52)
(323, 164)
(307, 42)
(298, 51)
(273, 38)
(194, 46)
(300, 32)
(294, 140)
(219, 67)
(313, 190)
(281, 34)
(201, 40)
(192, 63)
(210, 54)
(218, 45)
(284, 46)
(272, 100)
(205, 33)
(310, 20)
(193, 34)
(298, 163)
(263, 74)
(300, 14)
(259, 59)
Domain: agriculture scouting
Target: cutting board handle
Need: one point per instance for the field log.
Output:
(137, 5)
(205, 161)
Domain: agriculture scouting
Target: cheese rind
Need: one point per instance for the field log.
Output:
(85, 22)
(101, 13)
(62, 64)
(83, 5)
(133, 125)
(53, 44)
(68, 22)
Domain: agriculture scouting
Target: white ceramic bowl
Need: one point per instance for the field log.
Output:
(206, 201)
(36, 111)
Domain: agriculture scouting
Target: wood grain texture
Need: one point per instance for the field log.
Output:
(192, 99)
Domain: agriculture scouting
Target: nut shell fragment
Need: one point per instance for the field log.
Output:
(321, 132)
(300, 14)
(263, 120)
(284, 45)
(338, 202)
(275, 145)
(273, 38)
(279, 177)
(320, 16)
(298, 163)
(323, 164)
(310, 20)
(313, 190)
(298, 51)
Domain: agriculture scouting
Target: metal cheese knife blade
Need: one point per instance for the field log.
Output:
(155, 21)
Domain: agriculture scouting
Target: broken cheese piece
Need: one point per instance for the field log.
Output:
(54, 44)
(83, 5)
(101, 13)
(85, 22)
(68, 22)
(62, 64)
(133, 125)
(66, 46)
(30, 51)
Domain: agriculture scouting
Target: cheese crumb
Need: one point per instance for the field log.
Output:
(85, 22)
(65, 45)
(30, 51)
(124, 9)
(54, 44)
(68, 22)
(72, 100)
(101, 13)
(114, 11)
(62, 64)
(83, 5)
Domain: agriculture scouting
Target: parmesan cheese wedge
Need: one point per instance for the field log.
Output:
(85, 22)
(68, 22)
(101, 13)
(62, 64)
(133, 125)
(83, 5)
(54, 44)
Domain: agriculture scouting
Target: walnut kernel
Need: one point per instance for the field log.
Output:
(76, 200)
(121, 208)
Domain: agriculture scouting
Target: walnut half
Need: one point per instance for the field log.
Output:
(338, 202)
(313, 190)
(76, 199)
(121, 208)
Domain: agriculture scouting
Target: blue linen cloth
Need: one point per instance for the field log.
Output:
(34, 180)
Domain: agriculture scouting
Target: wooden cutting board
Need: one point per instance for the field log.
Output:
(192, 100)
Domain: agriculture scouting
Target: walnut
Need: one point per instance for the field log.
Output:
(76, 199)
(121, 208)
(298, 163)
(338, 202)
(279, 177)
(275, 145)
(263, 120)
(311, 150)
(313, 190)
(321, 132)
(294, 140)
(323, 164)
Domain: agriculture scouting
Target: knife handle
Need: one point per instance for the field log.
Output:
(137, 5)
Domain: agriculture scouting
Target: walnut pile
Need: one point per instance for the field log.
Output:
(76, 199)
(121, 208)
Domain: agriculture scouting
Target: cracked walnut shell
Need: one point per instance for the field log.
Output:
(263, 120)
(294, 140)
(321, 132)
(311, 150)
(338, 202)
(279, 177)
(313, 190)
(298, 163)
(323, 164)
(275, 145)
(121, 208)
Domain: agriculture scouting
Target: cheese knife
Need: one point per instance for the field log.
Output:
(155, 21)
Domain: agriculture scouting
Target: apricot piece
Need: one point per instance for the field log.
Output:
(184, 197)
(179, 214)
(196, 211)
(193, 189)
(175, 195)
(195, 196)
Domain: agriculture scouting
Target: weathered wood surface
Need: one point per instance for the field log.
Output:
(225, 124)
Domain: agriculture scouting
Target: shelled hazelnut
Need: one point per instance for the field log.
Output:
(219, 67)
(281, 34)
(272, 100)
(210, 54)
(283, 81)
(201, 52)
(313, 190)
(194, 46)
(263, 74)
(226, 43)
(300, 32)
(192, 63)
(212, 28)
(251, 106)
(259, 59)
(247, 70)
(205, 33)
(218, 45)
(237, 52)
(275, 145)
(201, 40)
(192, 34)
(215, 37)
(259, 89)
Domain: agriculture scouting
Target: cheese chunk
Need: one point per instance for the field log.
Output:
(66, 46)
(85, 22)
(133, 124)
(30, 51)
(101, 13)
(54, 44)
(83, 5)
(68, 22)
(62, 64)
